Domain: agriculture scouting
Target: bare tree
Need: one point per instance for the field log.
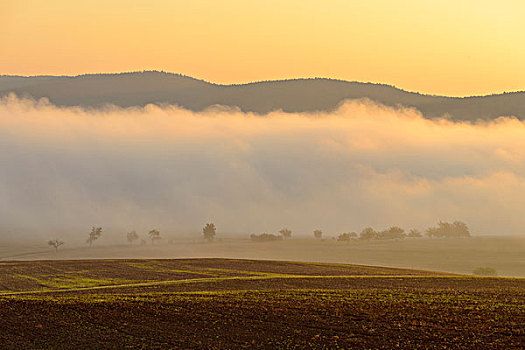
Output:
(209, 232)
(154, 235)
(286, 233)
(55, 244)
(95, 234)
(318, 234)
(132, 236)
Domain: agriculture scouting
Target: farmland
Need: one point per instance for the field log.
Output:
(505, 254)
(230, 303)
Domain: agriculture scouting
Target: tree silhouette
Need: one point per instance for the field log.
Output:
(446, 229)
(394, 232)
(95, 234)
(318, 234)
(347, 236)
(55, 244)
(154, 235)
(209, 232)
(286, 233)
(265, 237)
(368, 233)
(132, 236)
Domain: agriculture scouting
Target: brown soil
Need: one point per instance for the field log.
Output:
(233, 304)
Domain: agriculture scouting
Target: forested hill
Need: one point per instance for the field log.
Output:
(300, 95)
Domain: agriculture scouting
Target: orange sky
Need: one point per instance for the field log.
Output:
(445, 47)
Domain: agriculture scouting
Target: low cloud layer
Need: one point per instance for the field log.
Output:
(169, 168)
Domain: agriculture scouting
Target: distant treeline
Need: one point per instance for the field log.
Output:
(442, 230)
(265, 237)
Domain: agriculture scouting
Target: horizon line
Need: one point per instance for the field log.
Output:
(253, 82)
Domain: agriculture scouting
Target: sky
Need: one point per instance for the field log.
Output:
(457, 48)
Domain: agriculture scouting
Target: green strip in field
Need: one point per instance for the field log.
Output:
(281, 278)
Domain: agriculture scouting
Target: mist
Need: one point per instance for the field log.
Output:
(361, 165)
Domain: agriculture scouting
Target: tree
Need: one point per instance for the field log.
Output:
(55, 244)
(393, 232)
(347, 236)
(461, 229)
(209, 232)
(446, 229)
(413, 233)
(286, 233)
(95, 234)
(265, 237)
(154, 235)
(432, 232)
(368, 233)
(132, 236)
(318, 234)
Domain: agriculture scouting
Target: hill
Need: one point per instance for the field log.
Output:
(235, 304)
(300, 95)
(173, 274)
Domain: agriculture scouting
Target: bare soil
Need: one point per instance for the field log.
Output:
(235, 304)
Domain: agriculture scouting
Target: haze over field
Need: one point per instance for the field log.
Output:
(170, 168)
(262, 174)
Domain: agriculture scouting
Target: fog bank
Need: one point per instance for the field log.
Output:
(172, 169)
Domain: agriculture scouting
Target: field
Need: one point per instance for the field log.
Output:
(230, 304)
(505, 254)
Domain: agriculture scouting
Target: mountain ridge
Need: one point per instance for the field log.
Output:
(261, 97)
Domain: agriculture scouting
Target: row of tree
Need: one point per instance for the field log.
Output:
(208, 232)
(265, 237)
(369, 233)
(96, 233)
(442, 230)
(154, 235)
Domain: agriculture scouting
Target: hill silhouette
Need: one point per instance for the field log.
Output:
(299, 95)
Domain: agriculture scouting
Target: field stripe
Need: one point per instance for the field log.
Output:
(242, 278)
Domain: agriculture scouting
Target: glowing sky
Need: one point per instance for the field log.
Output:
(445, 47)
